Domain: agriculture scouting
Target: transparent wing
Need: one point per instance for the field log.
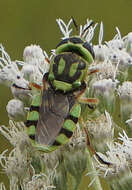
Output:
(54, 109)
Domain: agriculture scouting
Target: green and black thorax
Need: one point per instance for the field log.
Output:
(69, 67)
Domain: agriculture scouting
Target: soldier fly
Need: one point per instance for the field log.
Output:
(55, 112)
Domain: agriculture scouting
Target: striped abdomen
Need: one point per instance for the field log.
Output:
(53, 123)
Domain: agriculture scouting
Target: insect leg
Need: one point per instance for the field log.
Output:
(88, 100)
(87, 135)
(37, 86)
(85, 100)
(93, 71)
(32, 84)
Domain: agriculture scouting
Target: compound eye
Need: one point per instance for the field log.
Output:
(87, 46)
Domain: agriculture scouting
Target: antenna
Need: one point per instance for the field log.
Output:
(90, 24)
(75, 23)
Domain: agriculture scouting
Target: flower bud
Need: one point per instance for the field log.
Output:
(125, 96)
(22, 91)
(34, 55)
(16, 111)
(101, 132)
(104, 90)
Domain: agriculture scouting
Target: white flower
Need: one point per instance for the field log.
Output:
(100, 50)
(32, 73)
(65, 29)
(16, 134)
(113, 163)
(126, 146)
(125, 96)
(36, 63)
(16, 110)
(128, 43)
(106, 70)
(9, 73)
(125, 90)
(117, 42)
(33, 55)
(104, 86)
(11, 76)
(22, 91)
(15, 166)
(41, 181)
(101, 132)
(87, 31)
(113, 55)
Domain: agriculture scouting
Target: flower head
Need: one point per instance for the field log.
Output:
(115, 164)
(16, 110)
(125, 90)
(35, 63)
(16, 134)
(101, 132)
(65, 29)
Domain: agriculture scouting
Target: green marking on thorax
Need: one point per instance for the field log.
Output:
(76, 110)
(82, 77)
(69, 125)
(60, 85)
(33, 116)
(73, 69)
(61, 66)
(31, 130)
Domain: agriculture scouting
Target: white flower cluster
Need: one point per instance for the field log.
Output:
(19, 76)
(115, 165)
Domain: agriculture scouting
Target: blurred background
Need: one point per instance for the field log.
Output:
(28, 22)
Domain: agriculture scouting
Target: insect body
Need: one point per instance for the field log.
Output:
(53, 115)
(69, 68)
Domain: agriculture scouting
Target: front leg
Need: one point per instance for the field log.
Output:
(79, 96)
(39, 87)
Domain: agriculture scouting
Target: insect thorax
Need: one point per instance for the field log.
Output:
(67, 71)
(69, 67)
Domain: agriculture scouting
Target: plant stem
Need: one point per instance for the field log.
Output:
(96, 185)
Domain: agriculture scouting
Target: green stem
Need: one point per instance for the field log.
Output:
(96, 185)
(75, 182)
